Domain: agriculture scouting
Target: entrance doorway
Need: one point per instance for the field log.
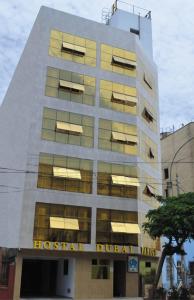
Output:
(119, 278)
(38, 278)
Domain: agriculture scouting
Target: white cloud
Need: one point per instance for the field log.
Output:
(16, 20)
(173, 32)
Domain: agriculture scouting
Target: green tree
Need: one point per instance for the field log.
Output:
(173, 220)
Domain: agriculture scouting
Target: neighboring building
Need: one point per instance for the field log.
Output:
(79, 157)
(177, 151)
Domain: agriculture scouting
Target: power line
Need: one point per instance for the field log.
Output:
(19, 189)
(13, 170)
(6, 170)
(23, 171)
(92, 173)
(128, 162)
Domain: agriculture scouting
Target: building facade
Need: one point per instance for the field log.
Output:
(79, 156)
(177, 151)
(177, 155)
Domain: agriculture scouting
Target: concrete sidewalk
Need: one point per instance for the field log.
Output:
(121, 298)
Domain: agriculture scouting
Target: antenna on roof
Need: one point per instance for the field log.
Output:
(114, 6)
(106, 15)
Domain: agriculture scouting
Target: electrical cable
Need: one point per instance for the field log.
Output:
(136, 162)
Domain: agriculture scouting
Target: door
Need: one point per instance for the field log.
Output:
(119, 278)
(38, 278)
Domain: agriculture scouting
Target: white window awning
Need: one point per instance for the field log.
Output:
(124, 138)
(66, 173)
(124, 99)
(147, 80)
(74, 49)
(123, 62)
(148, 115)
(129, 228)
(124, 180)
(64, 223)
(76, 87)
(149, 191)
(151, 153)
(68, 128)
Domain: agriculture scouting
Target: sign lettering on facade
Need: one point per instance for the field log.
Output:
(114, 248)
(58, 246)
(107, 248)
(148, 251)
(47, 245)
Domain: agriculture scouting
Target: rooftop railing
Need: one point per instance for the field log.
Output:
(119, 4)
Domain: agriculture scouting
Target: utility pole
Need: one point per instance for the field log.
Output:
(182, 256)
(177, 185)
(171, 259)
(170, 185)
(171, 275)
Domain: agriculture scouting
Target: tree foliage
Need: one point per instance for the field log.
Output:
(173, 220)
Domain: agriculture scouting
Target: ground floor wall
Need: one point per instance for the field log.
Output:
(7, 273)
(41, 273)
(132, 289)
(6, 292)
(86, 287)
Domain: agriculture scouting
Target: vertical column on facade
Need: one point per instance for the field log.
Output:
(93, 217)
(93, 226)
(18, 276)
(95, 162)
(140, 204)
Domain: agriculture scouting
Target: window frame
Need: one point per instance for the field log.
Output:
(135, 31)
(101, 268)
(166, 173)
(83, 235)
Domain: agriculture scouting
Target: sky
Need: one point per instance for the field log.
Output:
(173, 42)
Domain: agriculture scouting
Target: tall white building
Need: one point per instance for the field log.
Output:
(79, 142)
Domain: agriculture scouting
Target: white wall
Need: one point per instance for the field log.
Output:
(65, 283)
(125, 20)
